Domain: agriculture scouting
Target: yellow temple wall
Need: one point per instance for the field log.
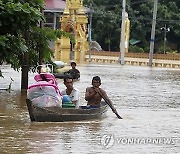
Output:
(74, 20)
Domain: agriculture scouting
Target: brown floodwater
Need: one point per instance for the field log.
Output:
(148, 99)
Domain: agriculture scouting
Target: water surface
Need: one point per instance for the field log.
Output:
(148, 99)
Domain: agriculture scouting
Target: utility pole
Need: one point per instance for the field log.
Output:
(165, 38)
(90, 30)
(153, 33)
(122, 40)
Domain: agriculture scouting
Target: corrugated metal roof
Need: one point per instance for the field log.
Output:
(134, 41)
(55, 5)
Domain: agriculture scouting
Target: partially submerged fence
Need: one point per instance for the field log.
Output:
(142, 59)
(136, 55)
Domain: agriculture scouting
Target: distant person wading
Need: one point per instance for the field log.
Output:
(74, 72)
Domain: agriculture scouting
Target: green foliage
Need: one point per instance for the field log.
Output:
(11, 47)
(135, 49)
(39, 39)
(20, 33)
(106, 22)
(17, 19)
(168, 50)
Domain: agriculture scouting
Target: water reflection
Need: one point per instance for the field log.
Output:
(55, 136)
(148, 99)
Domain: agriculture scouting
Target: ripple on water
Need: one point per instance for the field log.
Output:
(148, 99)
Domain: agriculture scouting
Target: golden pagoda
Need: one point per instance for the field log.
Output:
(73, 21)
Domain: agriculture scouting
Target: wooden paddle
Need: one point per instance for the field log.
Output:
(110, 105)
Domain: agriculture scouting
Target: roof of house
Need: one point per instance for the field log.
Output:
(55, 5)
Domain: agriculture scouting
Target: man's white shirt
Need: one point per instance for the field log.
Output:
(74, 96)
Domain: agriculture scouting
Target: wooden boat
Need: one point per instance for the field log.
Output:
(59, 75)
(63, 75)
(58, 114)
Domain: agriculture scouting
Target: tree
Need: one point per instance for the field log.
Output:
(169, 14)
(21, 38)
(18, 18)
(107, 20)
(106, 23)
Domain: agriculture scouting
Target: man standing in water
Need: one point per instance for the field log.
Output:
(95, 94)
(74, 72)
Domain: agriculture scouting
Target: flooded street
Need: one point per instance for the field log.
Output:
(148, 100)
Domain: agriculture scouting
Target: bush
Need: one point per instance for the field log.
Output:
(160, 50)
(135, 49)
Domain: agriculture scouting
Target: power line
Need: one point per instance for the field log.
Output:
(113, 15)
(159, 20)
(137, 2)
(96, 12)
